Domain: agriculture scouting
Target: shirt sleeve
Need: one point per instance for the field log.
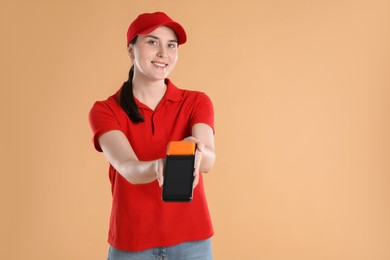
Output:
(203, 111)
(101, 120)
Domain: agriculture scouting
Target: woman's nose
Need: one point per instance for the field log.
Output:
(162, 52)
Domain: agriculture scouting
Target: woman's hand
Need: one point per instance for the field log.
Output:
(198, 158)
(159, 168)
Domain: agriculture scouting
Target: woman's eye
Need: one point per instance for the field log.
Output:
(172, 45)
(152, 42)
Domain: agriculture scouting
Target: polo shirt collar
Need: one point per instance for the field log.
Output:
(172, 93)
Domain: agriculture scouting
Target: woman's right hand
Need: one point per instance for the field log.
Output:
(159, 168)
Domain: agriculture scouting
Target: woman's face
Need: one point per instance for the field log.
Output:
(155, 55)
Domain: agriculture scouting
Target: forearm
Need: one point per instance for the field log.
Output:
(137, 172)
(121, 156)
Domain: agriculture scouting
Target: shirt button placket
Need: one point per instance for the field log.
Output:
(156, 127)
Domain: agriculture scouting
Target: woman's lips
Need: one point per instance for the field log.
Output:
(159, 64)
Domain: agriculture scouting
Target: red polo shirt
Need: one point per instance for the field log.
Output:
(139, 218)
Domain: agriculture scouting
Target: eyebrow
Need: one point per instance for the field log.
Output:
(157, 38)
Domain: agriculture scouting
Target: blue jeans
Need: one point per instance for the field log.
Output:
(195, 250)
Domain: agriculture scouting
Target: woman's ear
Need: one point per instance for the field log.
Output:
(130, 51)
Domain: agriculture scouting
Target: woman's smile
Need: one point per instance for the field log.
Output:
(159, 64)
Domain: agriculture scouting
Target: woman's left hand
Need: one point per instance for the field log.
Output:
(198, 157)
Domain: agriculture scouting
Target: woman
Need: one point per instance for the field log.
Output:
(132, 128)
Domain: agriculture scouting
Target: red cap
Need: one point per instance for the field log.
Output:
(148, 22)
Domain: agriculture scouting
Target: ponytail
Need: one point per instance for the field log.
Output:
(127, 101)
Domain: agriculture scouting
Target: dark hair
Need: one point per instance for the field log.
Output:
(126, 97)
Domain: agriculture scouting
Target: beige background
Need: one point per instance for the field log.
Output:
(301, 91)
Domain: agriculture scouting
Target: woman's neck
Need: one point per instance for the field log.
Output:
(149, 92)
